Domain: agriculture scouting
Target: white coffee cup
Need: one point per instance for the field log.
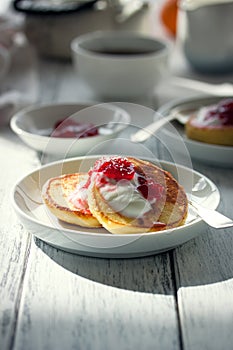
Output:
(119, 64)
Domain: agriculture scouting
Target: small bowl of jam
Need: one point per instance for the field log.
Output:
(66, 130)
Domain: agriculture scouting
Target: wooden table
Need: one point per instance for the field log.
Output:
(50, 299)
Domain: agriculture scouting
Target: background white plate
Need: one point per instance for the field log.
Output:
(98, 242)
(204, 152)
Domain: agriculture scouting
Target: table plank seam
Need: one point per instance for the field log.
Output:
(20, 291)
(175, 288)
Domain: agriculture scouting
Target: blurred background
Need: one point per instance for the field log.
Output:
(33, 32)
(50, 25)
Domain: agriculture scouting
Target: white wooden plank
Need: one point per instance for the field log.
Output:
(14, 240)
(204, 270)
(87, 303)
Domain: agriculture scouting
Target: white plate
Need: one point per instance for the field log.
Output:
(98, 242)
(32, 124)
(204, 152)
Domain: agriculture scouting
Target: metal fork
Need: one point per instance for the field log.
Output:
(145, 133)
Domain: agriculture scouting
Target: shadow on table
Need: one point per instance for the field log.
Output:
(151, 274)
(202, 261)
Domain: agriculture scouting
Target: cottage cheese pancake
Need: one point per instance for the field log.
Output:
(58, 194)
(128, 195)
(213, 124)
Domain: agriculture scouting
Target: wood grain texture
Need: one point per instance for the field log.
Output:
(87, 303)
(14, 239)
(204, 277)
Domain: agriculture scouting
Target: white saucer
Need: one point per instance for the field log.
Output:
(40, 222)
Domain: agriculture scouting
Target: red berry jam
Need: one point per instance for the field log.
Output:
(70, 128)
(150, 189)
(223, 111)
(116, 168)
(158, 224)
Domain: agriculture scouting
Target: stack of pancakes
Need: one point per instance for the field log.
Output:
(165, 207)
